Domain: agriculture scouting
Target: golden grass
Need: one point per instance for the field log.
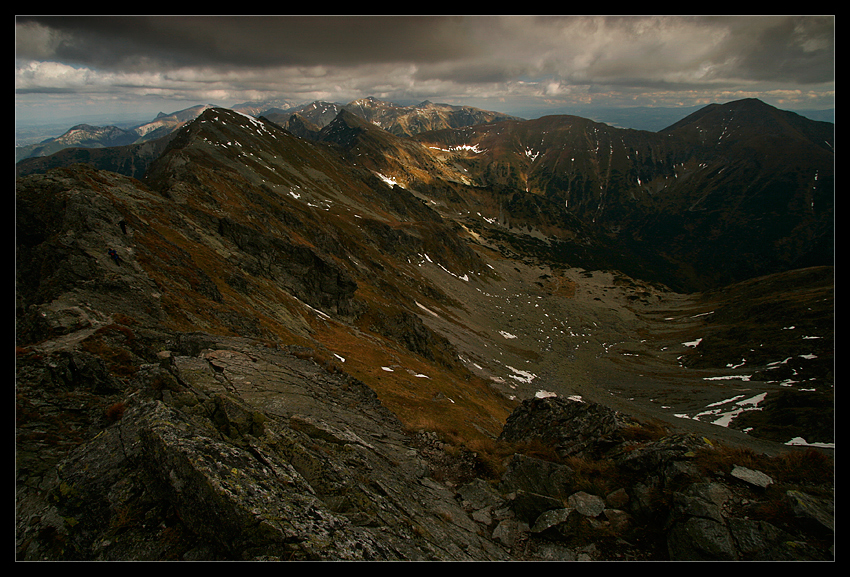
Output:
(561, 286)
(449, 401)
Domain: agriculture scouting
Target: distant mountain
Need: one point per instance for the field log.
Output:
(296, 124)
(394, 118)
(425, 116)
(130, 160)
(319, 113)
(399, 120)
(257, 107)
(87, 136)
(81, 135)
(166, 123)
(749, 121)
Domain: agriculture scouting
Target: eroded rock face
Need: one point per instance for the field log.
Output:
(245, 453)
(312, 277)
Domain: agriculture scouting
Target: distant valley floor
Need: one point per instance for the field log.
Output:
(609, 339)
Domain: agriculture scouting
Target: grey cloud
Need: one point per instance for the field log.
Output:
(255, 41)
(461, 49)
(793, 49)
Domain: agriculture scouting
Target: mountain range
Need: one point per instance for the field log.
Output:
(88, 136)
(672, 188)
(439, 275)
(400, 120)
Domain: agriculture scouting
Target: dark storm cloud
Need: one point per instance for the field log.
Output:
(170, 41)
(792, 49)
(475, 49)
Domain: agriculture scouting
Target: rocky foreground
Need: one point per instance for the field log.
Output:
(221, 448)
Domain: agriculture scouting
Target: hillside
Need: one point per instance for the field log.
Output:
(361, 346)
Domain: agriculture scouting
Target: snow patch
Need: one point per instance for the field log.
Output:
(521, 376)
(390, 181)
(802, 441)
(722, 417)
(728, 378)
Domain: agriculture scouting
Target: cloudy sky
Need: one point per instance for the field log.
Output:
(522, 65)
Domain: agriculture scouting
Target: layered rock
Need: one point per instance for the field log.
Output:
(223, 449)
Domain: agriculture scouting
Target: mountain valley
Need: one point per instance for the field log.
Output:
(365, 286)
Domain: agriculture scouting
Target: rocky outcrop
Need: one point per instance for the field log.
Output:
(240, 452)
(223, 449)
(312, 277)
(694, 515)
(573, 428)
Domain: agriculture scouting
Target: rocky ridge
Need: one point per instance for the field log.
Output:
(290, 359)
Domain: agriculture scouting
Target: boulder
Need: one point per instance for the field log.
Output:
(819, 513)
(539, 476)
(586, 504)
(756, 478)
(574, 428)
(700, 539)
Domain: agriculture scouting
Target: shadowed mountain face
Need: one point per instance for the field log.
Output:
(348, 286)
(720, 196)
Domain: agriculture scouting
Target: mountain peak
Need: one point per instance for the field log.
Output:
(344, 129)
(748, 119)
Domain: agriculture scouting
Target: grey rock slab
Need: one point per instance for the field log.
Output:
(586, 504)
(756, 478)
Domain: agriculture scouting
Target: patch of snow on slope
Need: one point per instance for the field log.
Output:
(387, 179)
(426, 309)
(521, 376)
(802, 441)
